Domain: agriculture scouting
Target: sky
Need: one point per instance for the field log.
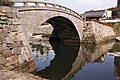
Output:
(81, 6)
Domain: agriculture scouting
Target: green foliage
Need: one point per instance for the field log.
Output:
(117, 28)
(6, 3)
(39, 47)
(115, 48)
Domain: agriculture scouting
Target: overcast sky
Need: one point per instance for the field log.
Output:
(86, 5)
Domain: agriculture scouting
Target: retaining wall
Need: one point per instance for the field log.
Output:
(95, 32)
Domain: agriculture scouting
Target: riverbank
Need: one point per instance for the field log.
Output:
(11, 75)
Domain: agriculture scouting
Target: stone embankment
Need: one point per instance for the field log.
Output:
(14, 51)
(11, 75)
(95, 32)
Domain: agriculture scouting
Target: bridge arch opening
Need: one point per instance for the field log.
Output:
(57, 29)
(63, 30)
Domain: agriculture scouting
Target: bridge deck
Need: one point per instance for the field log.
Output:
(31, 4)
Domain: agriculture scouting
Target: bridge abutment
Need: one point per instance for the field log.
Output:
(12, 46)
(95, 32)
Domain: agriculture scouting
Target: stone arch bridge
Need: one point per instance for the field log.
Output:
(16, 30)
(67, 24)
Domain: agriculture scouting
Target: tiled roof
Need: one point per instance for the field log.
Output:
(98, 13)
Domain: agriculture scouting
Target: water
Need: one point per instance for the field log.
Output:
(72, 61)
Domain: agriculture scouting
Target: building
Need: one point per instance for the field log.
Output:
(98, 14)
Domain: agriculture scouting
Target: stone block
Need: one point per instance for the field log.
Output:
(5, 34)
(5, 46)
(5, 9)
(15, 38)
(14, 28)
(25, 42)
(16, 51)
(9, 40)
(12, 60)
(2, 14)
(3, 60)
(3, 18)
(1, 49)
(7, 53)
(12, 34)
(2, 40)
(26, 50)
(28, 34)
(22, 36)
(14, 45)
(3, 22)
(1, 26)
(10, 15)
(20, 28)
(20, 44)
(29, 55)
(6, 28)
(22, 58)
(1, 30)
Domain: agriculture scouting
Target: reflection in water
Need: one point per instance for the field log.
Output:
(97, 65)
(62, 63)
(42, 54)
(117, 68)
(65, 61)
(115, 51)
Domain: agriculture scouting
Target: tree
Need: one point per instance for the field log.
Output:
(117, 28)
(6, 3)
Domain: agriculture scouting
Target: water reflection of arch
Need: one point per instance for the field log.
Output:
(92, 53)
(62, 64)
(71, 58)
(95, 53)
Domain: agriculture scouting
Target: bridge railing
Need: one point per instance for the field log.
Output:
(34, 4)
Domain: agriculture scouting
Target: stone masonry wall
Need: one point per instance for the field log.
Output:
(95, 32)
(12, 48)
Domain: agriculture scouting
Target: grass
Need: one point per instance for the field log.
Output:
(117, 28)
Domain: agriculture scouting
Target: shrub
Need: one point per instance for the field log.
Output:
(6, 3)
(117, 28)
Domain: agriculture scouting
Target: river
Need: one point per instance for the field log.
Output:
(74, 61)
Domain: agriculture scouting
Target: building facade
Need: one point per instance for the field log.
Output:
(98, 14)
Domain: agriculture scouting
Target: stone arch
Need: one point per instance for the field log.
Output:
(32, 18)
(64, 29)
